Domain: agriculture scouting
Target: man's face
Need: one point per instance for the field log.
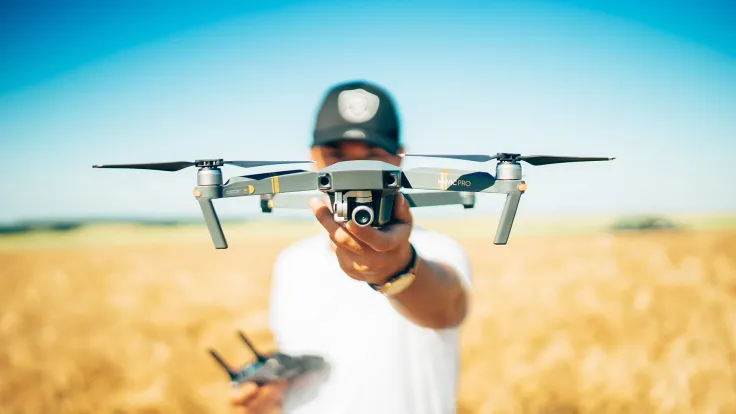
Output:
(324, 156)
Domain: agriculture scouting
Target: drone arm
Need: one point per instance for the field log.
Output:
(449, 180)
(417, 199)
(295, 201)
(270, 183)
(472, 181)
(425, 199)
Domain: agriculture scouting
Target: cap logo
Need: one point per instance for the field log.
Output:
(353, 133)
(357, 105)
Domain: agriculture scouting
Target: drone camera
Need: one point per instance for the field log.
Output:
(324, 181)
(362, 208)
(363, 215)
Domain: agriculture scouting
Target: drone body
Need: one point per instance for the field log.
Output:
(269, 368)
(364, 190)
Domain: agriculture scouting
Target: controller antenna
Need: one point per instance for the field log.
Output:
(259, 356)
(224, 365)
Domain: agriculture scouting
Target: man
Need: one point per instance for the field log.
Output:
(390, 348)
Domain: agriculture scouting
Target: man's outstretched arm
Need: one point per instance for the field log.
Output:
(437, 299)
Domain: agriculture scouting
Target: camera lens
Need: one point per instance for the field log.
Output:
(363, 215)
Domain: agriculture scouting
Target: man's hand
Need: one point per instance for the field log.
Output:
(249, 398)
(365, 253)
(436, 299)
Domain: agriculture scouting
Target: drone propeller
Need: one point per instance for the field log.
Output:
(476, 158)
(531, 159)
(179, 165)
(553, 159)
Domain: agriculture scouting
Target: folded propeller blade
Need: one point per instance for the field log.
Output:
(179, 165)
(551, 159)
(248, 164)
(477, 158)
(160, 166)
(531, 159)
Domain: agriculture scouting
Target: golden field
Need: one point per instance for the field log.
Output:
(118, 319)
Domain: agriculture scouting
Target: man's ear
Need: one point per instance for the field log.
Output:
(315, 153)
(398, 158)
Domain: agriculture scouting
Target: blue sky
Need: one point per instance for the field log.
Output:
(82, 84)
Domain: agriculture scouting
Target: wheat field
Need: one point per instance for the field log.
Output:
(98, 321)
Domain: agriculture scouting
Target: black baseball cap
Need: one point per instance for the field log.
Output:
(358, 111)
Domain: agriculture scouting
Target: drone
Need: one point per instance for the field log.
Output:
(268, 368)
(363, 191)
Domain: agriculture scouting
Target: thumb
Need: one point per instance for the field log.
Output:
(402, 209)
(243, 393)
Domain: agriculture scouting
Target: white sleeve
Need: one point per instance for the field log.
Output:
(442, 248)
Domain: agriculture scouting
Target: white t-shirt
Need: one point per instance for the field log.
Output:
(379, 362)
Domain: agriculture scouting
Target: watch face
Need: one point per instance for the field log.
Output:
(399, 284)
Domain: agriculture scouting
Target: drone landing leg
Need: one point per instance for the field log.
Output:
(213, 223)
(507, 217)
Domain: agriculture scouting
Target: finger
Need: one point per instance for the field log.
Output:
(364, 268)
(274, 391)
(244, 394)
(324, 215)
(350, 260)
(343, 238)
(268, 400)
(402, 210)
(337, 232)
(391, 236)
(384, 240)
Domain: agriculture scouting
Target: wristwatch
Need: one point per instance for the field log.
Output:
(401, 280)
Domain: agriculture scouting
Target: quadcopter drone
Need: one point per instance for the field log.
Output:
(363, 191)
(269, 368)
